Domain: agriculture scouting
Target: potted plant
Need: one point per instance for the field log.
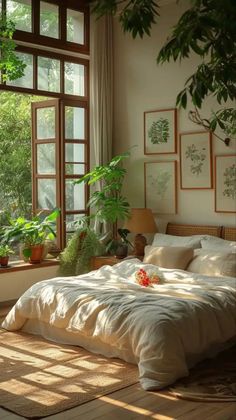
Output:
(84, 244)
(33, 234)
(109, 204)
(5, 251)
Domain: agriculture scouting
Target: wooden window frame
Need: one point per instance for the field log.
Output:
(62, 58)
(34, 37)
(64, 176)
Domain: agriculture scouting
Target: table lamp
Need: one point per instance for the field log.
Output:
(140, 221)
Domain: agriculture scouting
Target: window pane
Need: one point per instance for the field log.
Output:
(74, 152)
(74, 123)
(74, 79)
(75, 195)
(48, 74)
(71, 220)
(25, 81)
(75, 169)
(19, 11)
(75, 26)
(46, 159)
(45, 123)
(46, 194)
(49, 19)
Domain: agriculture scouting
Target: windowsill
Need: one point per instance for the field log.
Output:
(21, 265)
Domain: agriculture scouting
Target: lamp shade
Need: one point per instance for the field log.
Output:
(141, 221)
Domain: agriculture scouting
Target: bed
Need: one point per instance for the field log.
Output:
(180, 318)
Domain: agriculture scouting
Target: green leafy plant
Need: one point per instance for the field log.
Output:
(108, 202)
(11, 66)
(206, 28)
(30, 232)
(83, 245)
(5, 250)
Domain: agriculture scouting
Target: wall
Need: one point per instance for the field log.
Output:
(142, 85)
(13, 284)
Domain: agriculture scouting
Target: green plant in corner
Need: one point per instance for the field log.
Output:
(108, 202)
(82, 246)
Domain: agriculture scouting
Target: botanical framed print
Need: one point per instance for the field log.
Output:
(160, 186)
(225, 184)
(160, 131)
(196, 160)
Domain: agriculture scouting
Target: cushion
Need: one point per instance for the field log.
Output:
(168, 256)
(213, 263)
(162, 239)
(212, 242)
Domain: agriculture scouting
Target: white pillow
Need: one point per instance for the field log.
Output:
(168, 256)
(163, 239)
(213, 263)
(212, 242)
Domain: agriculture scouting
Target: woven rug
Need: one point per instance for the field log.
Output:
(210, 380)
(39, 378)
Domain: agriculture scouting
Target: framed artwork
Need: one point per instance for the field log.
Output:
(225, 184)
(160, 131)
(196, 160)
(160, 186)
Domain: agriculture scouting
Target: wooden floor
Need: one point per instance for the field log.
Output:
(135, 403)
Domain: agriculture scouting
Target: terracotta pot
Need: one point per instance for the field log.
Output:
(37, 254)
(4, 261)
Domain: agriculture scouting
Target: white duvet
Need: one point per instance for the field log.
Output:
(164, 329)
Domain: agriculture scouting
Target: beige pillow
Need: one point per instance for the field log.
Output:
(168, 256)
(163, 239)
(213, 263)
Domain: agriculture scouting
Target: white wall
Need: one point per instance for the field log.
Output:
(14, 283)
(142, 85)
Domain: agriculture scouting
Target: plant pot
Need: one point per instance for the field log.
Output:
(37, 254)
(4, 261)
(121, 250)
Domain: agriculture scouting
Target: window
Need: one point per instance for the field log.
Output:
(52, 73)
(60, 140)
(60, 137)
(20, 12)
(55, 23)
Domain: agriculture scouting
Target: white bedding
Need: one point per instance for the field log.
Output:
(165, 329)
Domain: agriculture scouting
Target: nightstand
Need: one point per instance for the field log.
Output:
(98, 262)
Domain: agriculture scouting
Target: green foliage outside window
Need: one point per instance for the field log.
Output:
(11, 66)
(15, 154)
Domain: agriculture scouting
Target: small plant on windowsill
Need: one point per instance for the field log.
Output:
(5, 252)
(33, 234)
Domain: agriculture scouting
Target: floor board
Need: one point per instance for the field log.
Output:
(133, 403)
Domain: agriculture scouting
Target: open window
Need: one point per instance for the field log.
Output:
(60, 156)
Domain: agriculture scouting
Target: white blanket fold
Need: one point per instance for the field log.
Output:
(165, 329)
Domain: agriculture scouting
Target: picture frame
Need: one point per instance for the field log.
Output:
(160, 131)
(196, 160)
(160, 185)
(225, 183)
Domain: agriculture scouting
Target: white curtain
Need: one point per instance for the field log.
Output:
(101, 95)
